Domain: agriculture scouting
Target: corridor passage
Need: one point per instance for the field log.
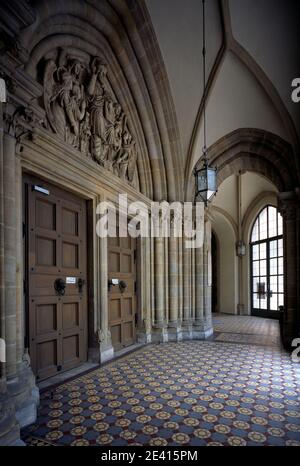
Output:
(185, 393)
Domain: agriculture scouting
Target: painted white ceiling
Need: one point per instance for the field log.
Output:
(178, 27)
(268, 30)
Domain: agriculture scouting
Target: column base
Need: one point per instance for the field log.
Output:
(25, 396)
(159, 334)
(106, 353)
(9, 428)
(174, 332)
(18, 406)
(93, 355)
(143, 337)
(202, 331)
(187, 331)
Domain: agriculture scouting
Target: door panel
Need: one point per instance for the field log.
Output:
(122, 301)
(267, 281)
(56, 249)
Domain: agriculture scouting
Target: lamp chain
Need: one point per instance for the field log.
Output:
(204, 80)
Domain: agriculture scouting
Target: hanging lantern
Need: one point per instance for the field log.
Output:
(206, 177)
(206, 183)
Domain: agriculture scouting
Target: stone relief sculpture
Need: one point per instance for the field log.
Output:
(81, 109)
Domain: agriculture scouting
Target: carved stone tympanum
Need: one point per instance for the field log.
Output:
(82, 110)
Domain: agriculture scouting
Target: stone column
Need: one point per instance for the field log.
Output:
(9, 186)
(193, 286)
(106, 348)
(180, 281)
(9, 428)
(174, 324)
(20, 397)
(199, 286)
(207, 270)
(289, 207)
(144, 280)
(159, 280)
(187, 290)
(202, 324)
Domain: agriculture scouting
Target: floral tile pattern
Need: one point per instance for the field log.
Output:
(187, 393)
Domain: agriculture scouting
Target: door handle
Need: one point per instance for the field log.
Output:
(80, 284)
(60, 286)
(122, 286)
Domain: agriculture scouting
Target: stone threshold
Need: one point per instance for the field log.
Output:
(84, 368)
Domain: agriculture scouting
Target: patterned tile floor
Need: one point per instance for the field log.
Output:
(245, 325)
(187, 393)
(244, 329)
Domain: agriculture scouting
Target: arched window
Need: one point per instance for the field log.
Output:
(267, 289)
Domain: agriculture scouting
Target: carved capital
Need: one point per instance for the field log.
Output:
(21, 123)
(289, 207)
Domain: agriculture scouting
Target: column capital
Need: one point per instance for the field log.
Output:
(289, 204)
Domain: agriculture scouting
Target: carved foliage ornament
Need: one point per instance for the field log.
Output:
(82, 111)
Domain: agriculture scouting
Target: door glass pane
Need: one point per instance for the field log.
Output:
(273, 303)
(263, 250)
(280, 266)
(261, 287)
(273, 266)
(263, 224)
(280, 299)
(273, 284)
(280, 247)
(280, 227)
(255, 252)
(263, 267)
(255, 301)
(273, 248)
(280, 284)
(263, 303)
(255, 236)
(272, 222)
(255, 268)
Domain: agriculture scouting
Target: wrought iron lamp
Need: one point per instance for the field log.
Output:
(206, 176)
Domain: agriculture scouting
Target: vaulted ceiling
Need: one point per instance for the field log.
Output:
(252, 58)
(154, 52)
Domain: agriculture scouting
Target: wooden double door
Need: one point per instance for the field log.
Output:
(56, 279)
(122, 291)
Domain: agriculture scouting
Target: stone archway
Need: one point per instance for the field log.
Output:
(266, 154)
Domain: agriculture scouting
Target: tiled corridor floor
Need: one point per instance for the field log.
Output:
(246, 329)
(186, 393)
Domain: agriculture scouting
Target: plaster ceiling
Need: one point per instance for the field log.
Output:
(266, 32)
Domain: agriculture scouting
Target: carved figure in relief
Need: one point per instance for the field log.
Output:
(82, 110)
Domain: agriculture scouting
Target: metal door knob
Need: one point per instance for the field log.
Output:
(80, 284)
(60, 286)
(122, 286)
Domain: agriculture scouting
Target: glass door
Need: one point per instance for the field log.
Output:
(267, 279)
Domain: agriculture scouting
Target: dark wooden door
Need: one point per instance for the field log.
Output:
(122, 300)
(57, 288)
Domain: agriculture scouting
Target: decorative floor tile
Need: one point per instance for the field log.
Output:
(186, 393)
